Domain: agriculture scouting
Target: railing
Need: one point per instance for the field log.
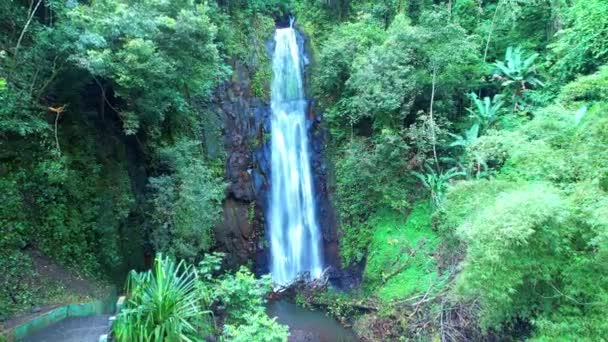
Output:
(46, 319)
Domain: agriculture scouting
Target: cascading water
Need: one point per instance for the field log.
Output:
(294, 234)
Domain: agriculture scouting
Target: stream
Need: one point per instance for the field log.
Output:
(307, 325)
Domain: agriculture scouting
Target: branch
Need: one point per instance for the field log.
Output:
(48, 82)
(27, 24)
(406, 264)
(103, 94)
(58, 111)
(56, 137)
(485, 54)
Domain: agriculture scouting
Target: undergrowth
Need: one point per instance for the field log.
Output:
(400, 262)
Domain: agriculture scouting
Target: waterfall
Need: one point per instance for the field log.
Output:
(294, 234)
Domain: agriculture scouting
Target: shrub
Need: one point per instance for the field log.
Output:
(186, 202)
(582, 46)
(163, 304)
(257, 327)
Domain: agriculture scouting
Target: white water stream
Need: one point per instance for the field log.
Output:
(295, 237)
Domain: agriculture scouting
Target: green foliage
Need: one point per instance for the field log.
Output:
(591, 88)
(243, 295)
(399, 263)
(13, 262)
(466, 13)
(145, 48)
(436, 182)
(487, 111)
(517, 73)
(388, 78)
(380, 83)
(528, 23)
(532, 249)
(264, 7)
(71, 206)
(391, 77)
(375, 84)
(362, 188)
(335, 60)
(463, 198)
(186, 202)
(510, 244)
(173, 301)
(257, 31)
(242, 298)
(74, 181)
(339, 304)
(581, 46)
(261, 81)
(355, 173)
(258, 327)
(525, 224)
(468, 139)
(162, 304)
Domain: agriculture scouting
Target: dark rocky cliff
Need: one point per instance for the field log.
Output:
(241, 233)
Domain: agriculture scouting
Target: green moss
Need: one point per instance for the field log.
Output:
(251, 213)
(400, 261)
(415, 279)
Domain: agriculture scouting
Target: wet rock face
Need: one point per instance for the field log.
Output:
(246, 132)
(244, 118)
(325, 212)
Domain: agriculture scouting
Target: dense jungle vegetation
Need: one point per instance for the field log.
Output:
(468, 145)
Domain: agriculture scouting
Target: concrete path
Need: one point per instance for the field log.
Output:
(75, 329)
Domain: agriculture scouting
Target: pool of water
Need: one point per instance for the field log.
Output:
(307, 325)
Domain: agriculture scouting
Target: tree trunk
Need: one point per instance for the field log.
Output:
(27, 24)
(433, 136)
(485, 54)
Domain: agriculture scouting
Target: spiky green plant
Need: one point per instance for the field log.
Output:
(163, 305)
(436, 182)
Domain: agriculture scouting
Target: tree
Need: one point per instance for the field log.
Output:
(186, 202)
(517, 73)
(447, 49)
(142, 50)
(487, 111)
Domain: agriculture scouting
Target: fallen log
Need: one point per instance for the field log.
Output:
(303, 283)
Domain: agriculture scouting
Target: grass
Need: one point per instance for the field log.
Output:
(400, 261)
